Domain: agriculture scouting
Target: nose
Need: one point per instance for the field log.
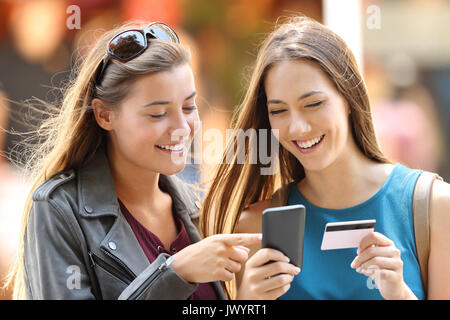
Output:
(299, 125)
(179, 127)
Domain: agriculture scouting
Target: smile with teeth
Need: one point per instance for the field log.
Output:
(305, 144)
(176, 147)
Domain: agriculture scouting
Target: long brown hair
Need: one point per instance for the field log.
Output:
(71, 136)
(235, 185)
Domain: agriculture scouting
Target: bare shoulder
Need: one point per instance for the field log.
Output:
(439, 259)
(441, 189)
(440, 203)
(251, 218)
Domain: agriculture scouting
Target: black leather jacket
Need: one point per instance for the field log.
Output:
(78, 245)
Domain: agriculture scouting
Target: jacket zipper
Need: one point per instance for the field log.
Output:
(125, 277)
(150, 279)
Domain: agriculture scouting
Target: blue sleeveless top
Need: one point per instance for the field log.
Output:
(327, 274)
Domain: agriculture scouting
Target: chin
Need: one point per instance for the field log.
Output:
(313, 163)
(171, 170)
(313, 166)
(316, 164)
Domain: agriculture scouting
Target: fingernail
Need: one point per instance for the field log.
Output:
(358, 270)
(287, 259)
(297, 270)
(352, 265)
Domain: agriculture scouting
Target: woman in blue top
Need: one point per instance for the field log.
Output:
(307, 88)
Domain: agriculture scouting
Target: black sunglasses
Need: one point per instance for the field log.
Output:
(129, 44)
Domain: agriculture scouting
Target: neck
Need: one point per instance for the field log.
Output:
(348, 181)
(135, 186)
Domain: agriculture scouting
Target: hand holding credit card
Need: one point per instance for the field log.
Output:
(347, 234)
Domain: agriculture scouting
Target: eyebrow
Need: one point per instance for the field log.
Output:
(308, 94)
(164, 102)
(303, 96)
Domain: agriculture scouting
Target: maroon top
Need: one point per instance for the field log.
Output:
(153, 247)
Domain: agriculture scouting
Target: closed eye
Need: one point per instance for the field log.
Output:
(158, 116)
(314, 104)
(274, 112)
(190, 109)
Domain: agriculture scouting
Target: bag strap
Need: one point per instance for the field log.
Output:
(421, 205)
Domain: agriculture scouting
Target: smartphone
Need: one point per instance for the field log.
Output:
(283, 229)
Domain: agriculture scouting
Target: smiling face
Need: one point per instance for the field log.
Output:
(311, 115)
(153, 126)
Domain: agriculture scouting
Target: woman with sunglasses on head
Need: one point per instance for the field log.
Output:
(106, 218)
(307, 88)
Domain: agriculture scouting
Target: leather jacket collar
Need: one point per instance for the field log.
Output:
(98, 198)
(96, 201)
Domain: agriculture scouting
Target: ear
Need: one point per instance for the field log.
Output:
(103, 114)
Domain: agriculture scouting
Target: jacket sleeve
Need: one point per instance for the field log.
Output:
(53, 260)
(159, 282)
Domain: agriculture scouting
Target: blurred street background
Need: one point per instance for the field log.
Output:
(402, 47)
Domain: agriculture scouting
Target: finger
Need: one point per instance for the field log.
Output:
(243, 248)
(379, 275)
(237, 254)
(276, 293)
(372, 252)
(385, 274)
(379, 263)
(275, 282)
(225, 275)
(265, 255)
(233, 266)
(243, 239)
(374, 239)
(273, 269)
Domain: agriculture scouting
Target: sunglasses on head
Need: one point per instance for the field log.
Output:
(129, 44)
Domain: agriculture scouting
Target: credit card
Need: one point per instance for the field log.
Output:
(347, 234)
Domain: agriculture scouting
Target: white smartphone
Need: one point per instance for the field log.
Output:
(347, 234)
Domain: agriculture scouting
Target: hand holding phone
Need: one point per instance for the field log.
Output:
(282, 239)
